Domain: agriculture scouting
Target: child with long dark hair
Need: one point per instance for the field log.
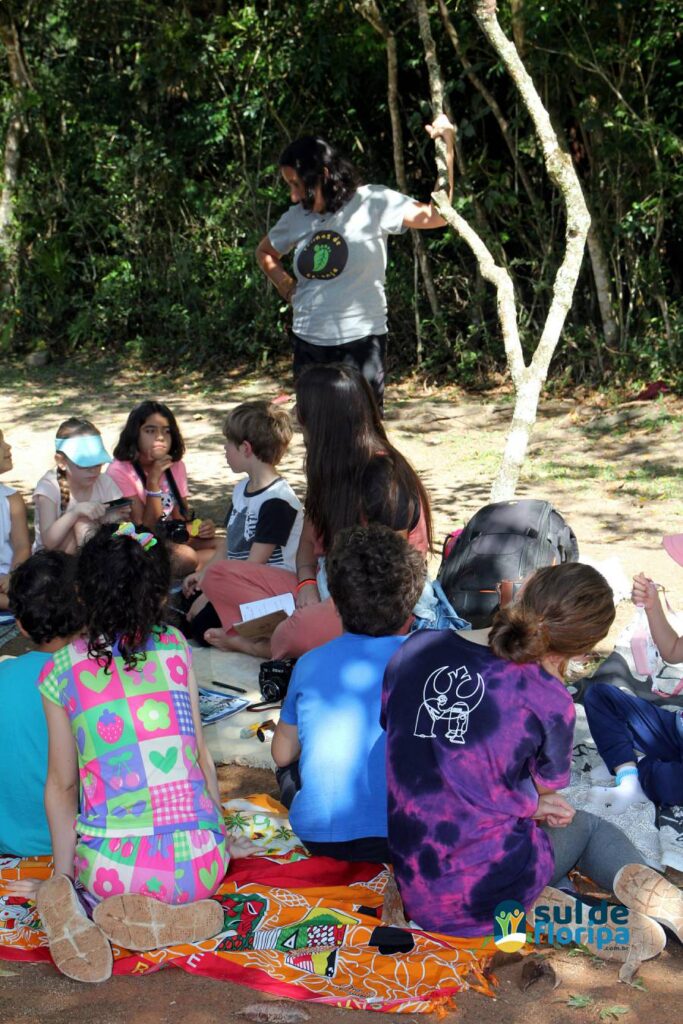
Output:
(148, 468)
(123, 721)
(354, 476)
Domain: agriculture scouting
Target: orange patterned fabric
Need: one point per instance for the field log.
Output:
(304, 930)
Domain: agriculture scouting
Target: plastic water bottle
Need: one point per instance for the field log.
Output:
(643, 649)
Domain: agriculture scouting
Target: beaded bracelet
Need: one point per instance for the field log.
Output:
(305, 583)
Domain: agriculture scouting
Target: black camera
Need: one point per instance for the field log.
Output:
(273, 679)
(174, 530)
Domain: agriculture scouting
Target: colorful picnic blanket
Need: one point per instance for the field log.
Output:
(295, 926)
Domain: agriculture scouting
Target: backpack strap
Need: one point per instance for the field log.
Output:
(177, 495)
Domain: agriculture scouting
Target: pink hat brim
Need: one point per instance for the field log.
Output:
(673, 545)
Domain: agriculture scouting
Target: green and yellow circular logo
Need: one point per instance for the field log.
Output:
(509, 926)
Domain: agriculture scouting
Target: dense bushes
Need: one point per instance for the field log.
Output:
(151, 130)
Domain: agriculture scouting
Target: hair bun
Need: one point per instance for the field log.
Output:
(518, 635)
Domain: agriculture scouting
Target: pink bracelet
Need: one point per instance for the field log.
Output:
(306, 583)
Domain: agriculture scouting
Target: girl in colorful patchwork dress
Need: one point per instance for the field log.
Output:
(148, 845)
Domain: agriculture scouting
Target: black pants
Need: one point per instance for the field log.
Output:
(374, 849)
(207, 618)
(368, 355)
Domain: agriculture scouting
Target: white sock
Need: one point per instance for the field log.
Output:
(615, 799)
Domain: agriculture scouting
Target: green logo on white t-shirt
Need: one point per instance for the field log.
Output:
(324, 257)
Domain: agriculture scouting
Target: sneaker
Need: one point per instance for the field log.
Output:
(646, 937)
(669, 821)
(138, 922)
(77, 946)
(645, 890)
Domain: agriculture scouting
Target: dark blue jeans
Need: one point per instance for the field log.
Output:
(620, 724)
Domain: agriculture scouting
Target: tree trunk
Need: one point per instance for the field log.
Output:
(517, 12)
(9, 243)
(603, 288)
(369, 10)
(490, 101)
(527, 380)
(16, 130)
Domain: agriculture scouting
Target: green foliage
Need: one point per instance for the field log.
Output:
(149, 174)
(579, 1002)
(612, 1013)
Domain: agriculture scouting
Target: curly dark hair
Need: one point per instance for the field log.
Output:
(375, 578)
(42, 596)
(124, 589)
(319, 164)
(126, 449)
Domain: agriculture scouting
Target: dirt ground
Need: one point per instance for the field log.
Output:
(609, 464)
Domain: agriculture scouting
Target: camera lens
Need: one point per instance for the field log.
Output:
(178, 533)
(270, 691)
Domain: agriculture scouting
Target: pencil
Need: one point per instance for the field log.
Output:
(227, 686)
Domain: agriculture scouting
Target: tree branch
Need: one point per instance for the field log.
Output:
(489, 269)
(490, 101)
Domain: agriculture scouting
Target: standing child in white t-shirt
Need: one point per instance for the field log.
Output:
(73, 498)
(15, 545)
(263, 528)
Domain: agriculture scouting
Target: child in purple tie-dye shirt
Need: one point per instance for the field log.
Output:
(479, 738)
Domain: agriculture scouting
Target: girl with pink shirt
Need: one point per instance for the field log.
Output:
(148, 467)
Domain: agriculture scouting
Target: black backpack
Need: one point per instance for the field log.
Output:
(504, 541)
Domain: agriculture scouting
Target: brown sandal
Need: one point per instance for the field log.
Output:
(77, 946)
(134, 921)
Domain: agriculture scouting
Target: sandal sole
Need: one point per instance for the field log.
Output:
(644, 890)
(646, 937)
(138, 922)
(77, 946)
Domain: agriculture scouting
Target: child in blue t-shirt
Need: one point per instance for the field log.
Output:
(43, 599)
(329, 742)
